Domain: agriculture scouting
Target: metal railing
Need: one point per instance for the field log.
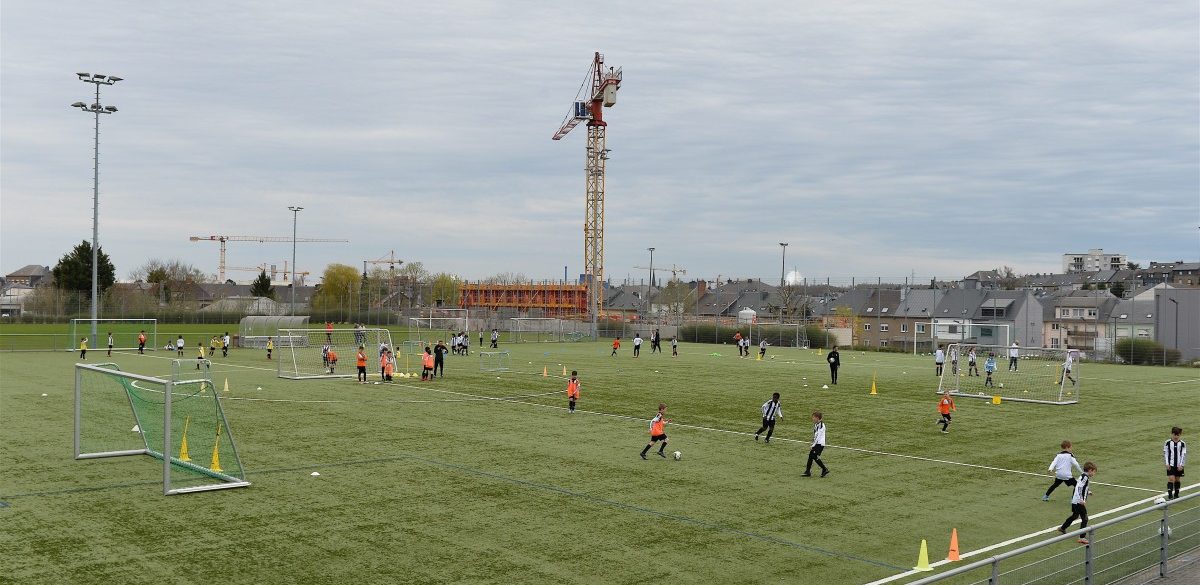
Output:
(1116, 549)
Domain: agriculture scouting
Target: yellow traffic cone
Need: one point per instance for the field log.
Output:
(545, 372)
(216, 457)
(183, 452)
(564, 370)
(953, 556)
(923, 558)
(873, 390)
(227, 384)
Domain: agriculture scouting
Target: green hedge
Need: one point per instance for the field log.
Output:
(1146, 352)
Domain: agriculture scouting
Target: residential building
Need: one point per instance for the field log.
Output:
(1095, 259)
(31, 275)
(1178, 324)
(1078, 319)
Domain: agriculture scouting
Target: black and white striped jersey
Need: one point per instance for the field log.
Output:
(1174, 453)
(771, 410)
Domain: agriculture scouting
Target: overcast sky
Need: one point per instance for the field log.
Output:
(890, 138)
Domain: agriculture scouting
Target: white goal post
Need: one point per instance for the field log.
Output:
(124, 332)
(1038, 374)
(322, 353)
(494, 361)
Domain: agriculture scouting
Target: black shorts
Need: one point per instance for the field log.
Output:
(972, 364)
(1175, 471)
(362, 369)
(657, 438)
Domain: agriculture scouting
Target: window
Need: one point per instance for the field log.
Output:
(985, 331)
(904, 328)
(1054, 326)
(883, 327)
(920, 328)
(1091, 312)
(1076, 312)
(883, 310)
(992, 311)
(866, 326)
(1143, 333)
(883, 341)
(952, 329)
(1064, 312)
(1053, 342)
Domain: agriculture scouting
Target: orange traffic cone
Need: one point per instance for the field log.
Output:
(953, 556)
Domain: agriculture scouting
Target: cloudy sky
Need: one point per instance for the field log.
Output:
(926, 137)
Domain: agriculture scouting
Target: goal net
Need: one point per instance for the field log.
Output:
(440, 324)
(494, 361)
(177, 420)
(1038, 374)
(320, 353)
(124, 333)
(928, 335)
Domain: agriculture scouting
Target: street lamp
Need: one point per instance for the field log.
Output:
(295, 212)
(1176, 326)
(96, 109)
(783, 263)
(651, 275)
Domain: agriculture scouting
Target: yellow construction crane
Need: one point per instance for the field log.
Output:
(599, 91)
(259, 239)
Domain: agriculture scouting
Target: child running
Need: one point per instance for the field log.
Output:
(1079, 501)
(572, 391)
(818, 445)
(1062, 468)
(945, 405)
(616, 345)
(674, 347)
(770, 412)
(1066, 369)
(657, 432)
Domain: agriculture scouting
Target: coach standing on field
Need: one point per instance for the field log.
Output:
(835, 362)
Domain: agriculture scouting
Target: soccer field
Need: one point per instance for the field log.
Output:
(483, 477)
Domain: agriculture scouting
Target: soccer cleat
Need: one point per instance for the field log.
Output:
(824, 473)
(643, 455)
(806, 474)
(661, 454)
(1062, 531)
(755, 436)
(1045, 498)
(945, 432)
(767, 441)
(1083, 541)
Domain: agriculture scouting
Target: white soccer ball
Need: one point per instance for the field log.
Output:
(678, 455)
(1160, 500)
(1001, 384)
(1168, 531)
(259, 388)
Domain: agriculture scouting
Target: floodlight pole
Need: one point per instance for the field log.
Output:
(295, 212)
(96, 109)
(649, 288)
(1176, 327)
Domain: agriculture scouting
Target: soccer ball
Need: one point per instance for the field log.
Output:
(259, 388)
(1001, 384)
(1160, 500)
(678, 455)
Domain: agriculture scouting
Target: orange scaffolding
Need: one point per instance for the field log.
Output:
(553, 299)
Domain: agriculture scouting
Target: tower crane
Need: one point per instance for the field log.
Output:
(259, 239)
(390, 260)
(675, 270)
(270, 270)
(598, 91)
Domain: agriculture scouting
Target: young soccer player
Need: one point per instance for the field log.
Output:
(325, 355)
(360, 361)
(1014, 352)
(270, 346)
(954, 360)
(179, 346)
(495, 338)
(655, 342)
(972, 370)
(737, 339)
(332, 359)
(1175, 456)
(818, 445)
(329, 331)
(770, 412)
(835, 362)
(637, 344)
(1062, 468)
(83, 348)
(1079, 501)
(142, 342)
(945, 405)
(674, 347)
(225, 345)
(389, 365)
(572, 391)
(939, 360)
(427, 364)
(989, 366)
(658, 432)
(1066, 368)
(762, 348)
(212, 346)
(200, 355)
(110, 343)
(616, 345)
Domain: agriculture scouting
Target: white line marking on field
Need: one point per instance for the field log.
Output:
(785, 439)
(1013, 541)
(1179, 382)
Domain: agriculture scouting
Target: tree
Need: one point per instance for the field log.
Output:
(845, 317)
(74, 269)
(339, 288)
(677, 298)
(1007, 278)
(261, 287)
(445, 289)
(170, 275)
(506, 278)
(1117, 289)
(412, 272)
(1133, 266)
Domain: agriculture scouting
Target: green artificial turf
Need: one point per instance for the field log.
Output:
(482, 477)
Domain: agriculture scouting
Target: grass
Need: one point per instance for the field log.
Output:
(483, 478)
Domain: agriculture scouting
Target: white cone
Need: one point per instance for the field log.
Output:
(135, 429)
(44, 395)
(315, 474)
(824, 386)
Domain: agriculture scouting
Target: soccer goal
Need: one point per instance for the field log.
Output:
(494, 361)
(536, 329)
(124, 332)
(318, 353)
(1037, 377)
(439, 324)
(177, 420)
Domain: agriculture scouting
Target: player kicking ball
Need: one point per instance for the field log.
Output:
(658, 432)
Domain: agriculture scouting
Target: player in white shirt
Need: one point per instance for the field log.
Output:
(818, 445)
(1062, 466)
(770, 412)
(1175, 456)
(1079, 500)
(1014, 352)
(939, 360)
(637, 344)
(1066, 368)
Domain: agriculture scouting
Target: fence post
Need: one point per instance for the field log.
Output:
(1089, 558)
(994, 579)
(1163, 543)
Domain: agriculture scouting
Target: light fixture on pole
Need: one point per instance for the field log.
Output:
(295, 212)
(96, 109)
(651, 275)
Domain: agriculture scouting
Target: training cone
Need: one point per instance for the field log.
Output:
(545, 372)
(564, 370)
(953, 556)
(923, 558)
(183, 452)
(227, 384)
(873, 390)
(996, 399)
(216, 459)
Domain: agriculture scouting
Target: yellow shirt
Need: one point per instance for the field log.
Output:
(83, 344)
(270, 344)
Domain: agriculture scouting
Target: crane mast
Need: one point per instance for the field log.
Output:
(601, 85)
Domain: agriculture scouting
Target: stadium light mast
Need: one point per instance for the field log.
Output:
(599, 91)
(650, 288)
(96, 109)
(295, 213)
(783, 264)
